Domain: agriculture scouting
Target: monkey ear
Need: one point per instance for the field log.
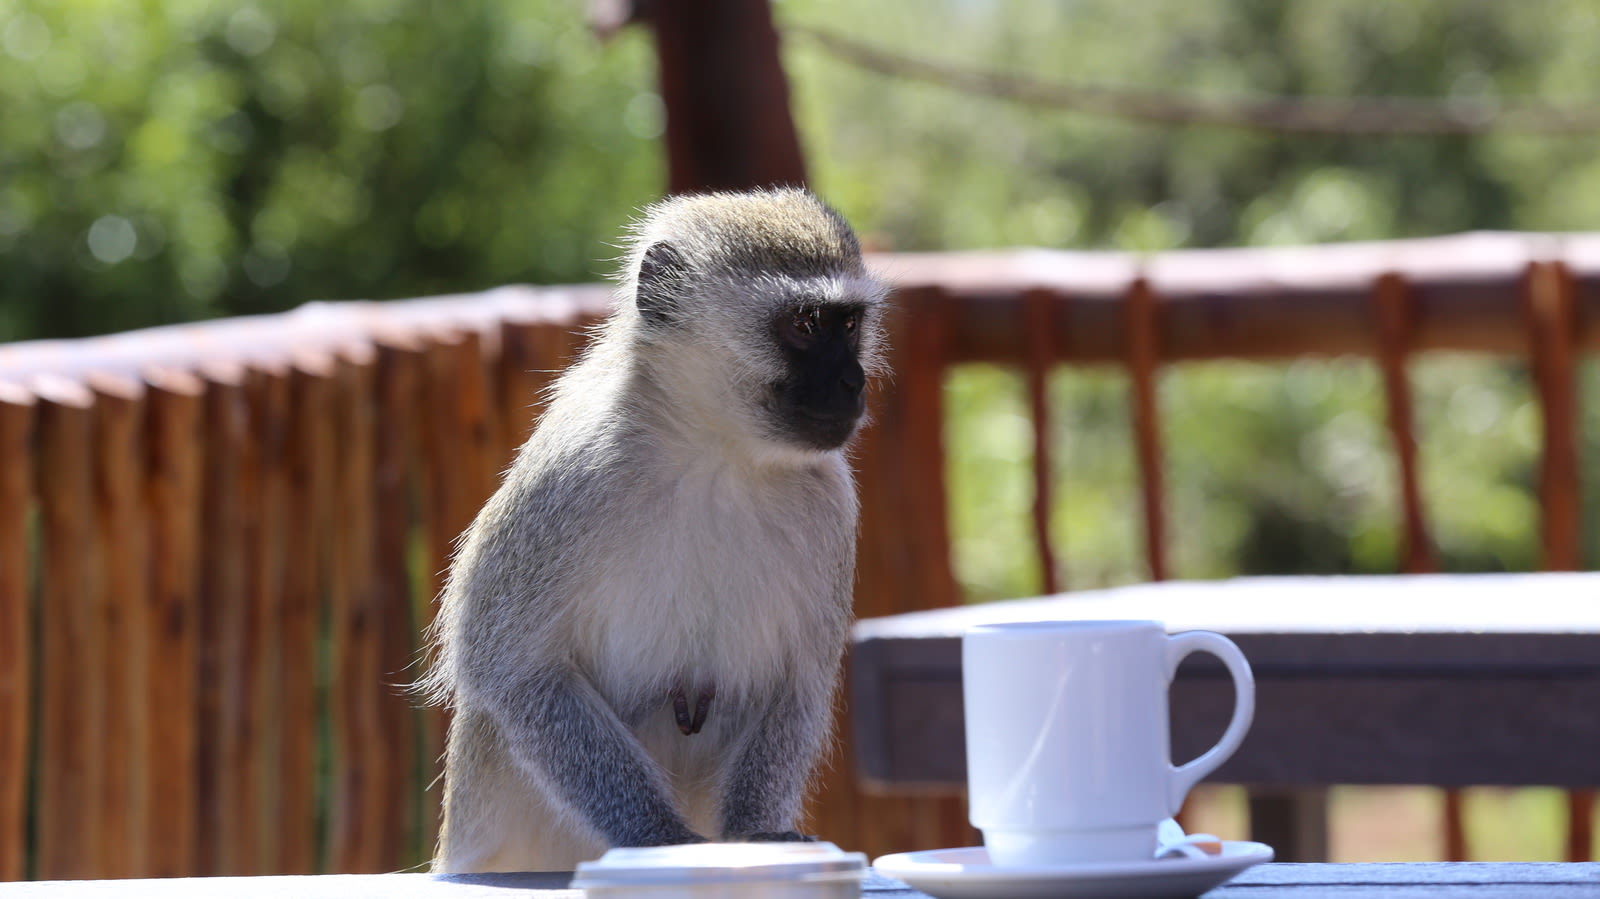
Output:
(661, 276)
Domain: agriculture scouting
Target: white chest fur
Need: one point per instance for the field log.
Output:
(719, 577)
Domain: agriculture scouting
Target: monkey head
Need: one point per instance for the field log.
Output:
(762, 301)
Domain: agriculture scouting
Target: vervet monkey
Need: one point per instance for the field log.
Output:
(641, 631)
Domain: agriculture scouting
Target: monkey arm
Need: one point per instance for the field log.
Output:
(560, 730)
(765, 780)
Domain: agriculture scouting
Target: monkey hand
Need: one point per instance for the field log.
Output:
(691, 722)
(683, 838)
(780, 836)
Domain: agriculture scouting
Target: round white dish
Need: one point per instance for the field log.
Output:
(967, 874)
(778, 870)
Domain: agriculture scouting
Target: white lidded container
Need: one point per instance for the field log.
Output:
(725, 871)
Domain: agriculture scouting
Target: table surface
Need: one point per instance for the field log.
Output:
(1271, 881)
(1542, 603)
(1448, 680)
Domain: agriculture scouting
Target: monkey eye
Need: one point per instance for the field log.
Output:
(806, 321)
(851, 321)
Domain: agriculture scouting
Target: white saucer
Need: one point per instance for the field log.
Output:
(967, 874)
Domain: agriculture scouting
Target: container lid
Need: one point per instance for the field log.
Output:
(697, 863)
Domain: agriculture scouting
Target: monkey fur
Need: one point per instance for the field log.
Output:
(641, 631)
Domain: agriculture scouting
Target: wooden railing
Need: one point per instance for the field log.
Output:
(219, 542)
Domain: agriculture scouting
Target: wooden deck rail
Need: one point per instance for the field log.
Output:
(219, 542)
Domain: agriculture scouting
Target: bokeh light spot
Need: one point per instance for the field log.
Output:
(112, 239)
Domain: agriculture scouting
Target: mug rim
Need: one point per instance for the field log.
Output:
(1066, 625)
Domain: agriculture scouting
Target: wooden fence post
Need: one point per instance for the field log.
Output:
(1038, 312)
(398, 388)
(1144, 351)
(1553, 323)
(72, 673)
(16, 625)
(361, 761)
(311, 462)
(120, 604)
(175, 447)
(229, 804)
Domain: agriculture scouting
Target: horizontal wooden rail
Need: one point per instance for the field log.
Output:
(1253, 303)
(1245, 303)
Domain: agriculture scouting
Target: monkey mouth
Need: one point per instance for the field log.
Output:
(819, 429)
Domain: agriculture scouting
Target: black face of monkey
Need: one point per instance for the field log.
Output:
(819, 401)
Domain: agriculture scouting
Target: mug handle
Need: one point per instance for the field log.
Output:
(1185, 777)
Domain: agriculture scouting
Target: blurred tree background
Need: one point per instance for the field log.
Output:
(169, 161)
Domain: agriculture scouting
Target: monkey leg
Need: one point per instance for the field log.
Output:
(559, 728)
(691, 723)
(763, 784)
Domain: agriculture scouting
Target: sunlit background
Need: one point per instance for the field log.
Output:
(171, 161)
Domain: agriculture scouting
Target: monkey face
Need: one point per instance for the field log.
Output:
(820, 398)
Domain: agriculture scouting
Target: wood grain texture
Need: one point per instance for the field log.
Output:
(457, 460)
(1144, 353)
(1553, 329)
(17, 463)
(397, 394)
(72, 676)
(1038, 308)
(229, 803)
(1395, 308)
(360, 760)
(120, 602)
(175, 447)
(267, 391)
(312, 463)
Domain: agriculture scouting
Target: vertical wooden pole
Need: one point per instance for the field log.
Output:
(522, 379)
(267, 393)
(72, 672)
(727, 100)
(921, 483)
(228, 810)
(460, 457)
(120, 602)
(16, 625)
(175, 446)
(1144, 350)
(532, 356)
(311, 462)
(1038, 307)
(916, 471)
(1396, 316)
(1394, 311)
(398, 389)
(1552, 315)
(361, 761)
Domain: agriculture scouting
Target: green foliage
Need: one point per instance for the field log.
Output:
(932, 168)
(169, 161)
(1269, 468)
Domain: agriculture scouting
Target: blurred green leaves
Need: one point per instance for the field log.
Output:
(176, 160)
(1282, 468)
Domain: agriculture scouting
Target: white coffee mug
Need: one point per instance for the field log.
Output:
(1068, 758)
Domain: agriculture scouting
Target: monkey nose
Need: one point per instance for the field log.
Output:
(852, 379)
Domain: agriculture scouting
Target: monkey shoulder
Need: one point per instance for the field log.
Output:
(536, 528)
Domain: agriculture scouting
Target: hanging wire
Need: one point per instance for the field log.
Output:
(1415, 116)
